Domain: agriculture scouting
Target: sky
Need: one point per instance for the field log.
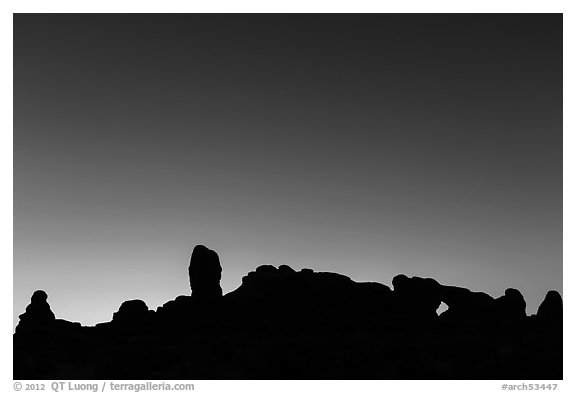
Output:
(364, 144)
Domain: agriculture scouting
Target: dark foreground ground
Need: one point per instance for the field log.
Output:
(283, 324)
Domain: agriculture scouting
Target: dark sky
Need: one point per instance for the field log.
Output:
(369, 145)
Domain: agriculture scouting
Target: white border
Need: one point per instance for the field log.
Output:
(244, 6)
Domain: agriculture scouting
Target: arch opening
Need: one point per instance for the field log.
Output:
(442, 308)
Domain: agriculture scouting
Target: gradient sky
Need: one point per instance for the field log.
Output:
(368, 145)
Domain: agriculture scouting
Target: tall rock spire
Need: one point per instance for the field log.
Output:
(205, 273)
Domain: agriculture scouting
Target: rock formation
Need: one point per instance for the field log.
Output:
(287, 324)
(512, 305)
(133, 312)
(205, 273)
(465, 305)
(38, 314)
(550, 310)
(416, 296)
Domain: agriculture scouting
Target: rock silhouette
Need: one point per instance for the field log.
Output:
(205, 273)
(287, 324)
(417, 297)
(551, 308)
(132, 312)
(512, 304)
(464, 305)
(38, 314)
